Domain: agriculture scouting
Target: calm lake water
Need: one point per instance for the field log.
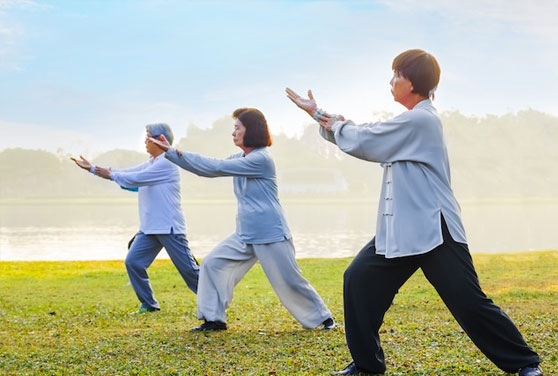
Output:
(101, 232)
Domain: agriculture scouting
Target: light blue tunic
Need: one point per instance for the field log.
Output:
(416, 186)
(159, 197)
(260, 218)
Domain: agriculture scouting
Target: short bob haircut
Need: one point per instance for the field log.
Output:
(155, 130)
(257, 133)
(419, 67)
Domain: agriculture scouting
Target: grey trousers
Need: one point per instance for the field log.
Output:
(228, 262)
(143, 251)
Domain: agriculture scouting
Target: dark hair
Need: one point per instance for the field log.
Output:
(419, 67)
(257, 133)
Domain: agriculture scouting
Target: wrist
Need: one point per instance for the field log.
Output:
(318, 112)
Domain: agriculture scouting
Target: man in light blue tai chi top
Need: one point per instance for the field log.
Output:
(162, 222)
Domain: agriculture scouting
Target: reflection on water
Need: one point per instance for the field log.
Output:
(101, 232)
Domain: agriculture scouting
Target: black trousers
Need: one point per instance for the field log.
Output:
(371, 282)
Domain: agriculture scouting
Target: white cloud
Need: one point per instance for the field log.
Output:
(12, 33)
(6, 4)
(130, 66)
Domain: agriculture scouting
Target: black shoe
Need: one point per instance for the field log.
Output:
(532, 370)
(352, 369)
(210, 325)
(328, 324)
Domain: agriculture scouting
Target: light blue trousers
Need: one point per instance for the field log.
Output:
(143, 251)
(228, 262)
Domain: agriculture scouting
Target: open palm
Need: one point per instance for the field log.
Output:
(307, 104)
(82, 162)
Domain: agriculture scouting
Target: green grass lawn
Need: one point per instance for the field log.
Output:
(72, 318)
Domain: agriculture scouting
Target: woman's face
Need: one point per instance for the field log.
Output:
(238, 133)
(401, 88)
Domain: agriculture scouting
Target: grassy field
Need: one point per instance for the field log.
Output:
(72, 318)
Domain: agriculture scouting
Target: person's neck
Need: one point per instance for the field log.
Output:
(157, 153)
(246, 150)
(413, 101)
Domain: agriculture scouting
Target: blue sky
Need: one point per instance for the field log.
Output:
(86, 76)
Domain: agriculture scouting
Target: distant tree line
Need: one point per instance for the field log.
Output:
(513, 155)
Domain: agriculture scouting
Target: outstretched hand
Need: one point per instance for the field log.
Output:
(86, 165)
(82, 162)
(161, 142)
(307, 104)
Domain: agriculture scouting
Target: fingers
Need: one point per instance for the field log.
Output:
(291, 92)
(80, 161)
(294, 96)
(326, 120)
(308, 105)
(291, 95)
(162, 144)
(324, 124)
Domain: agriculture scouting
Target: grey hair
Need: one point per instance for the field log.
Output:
(160, 129)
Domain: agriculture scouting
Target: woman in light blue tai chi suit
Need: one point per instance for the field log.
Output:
(262, 233)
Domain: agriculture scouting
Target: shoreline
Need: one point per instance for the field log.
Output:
(284, 200)
(165, 258)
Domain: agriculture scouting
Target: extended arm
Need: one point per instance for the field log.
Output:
(253, 165)
(86, 165)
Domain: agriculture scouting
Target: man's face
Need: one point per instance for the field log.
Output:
(150, 147)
